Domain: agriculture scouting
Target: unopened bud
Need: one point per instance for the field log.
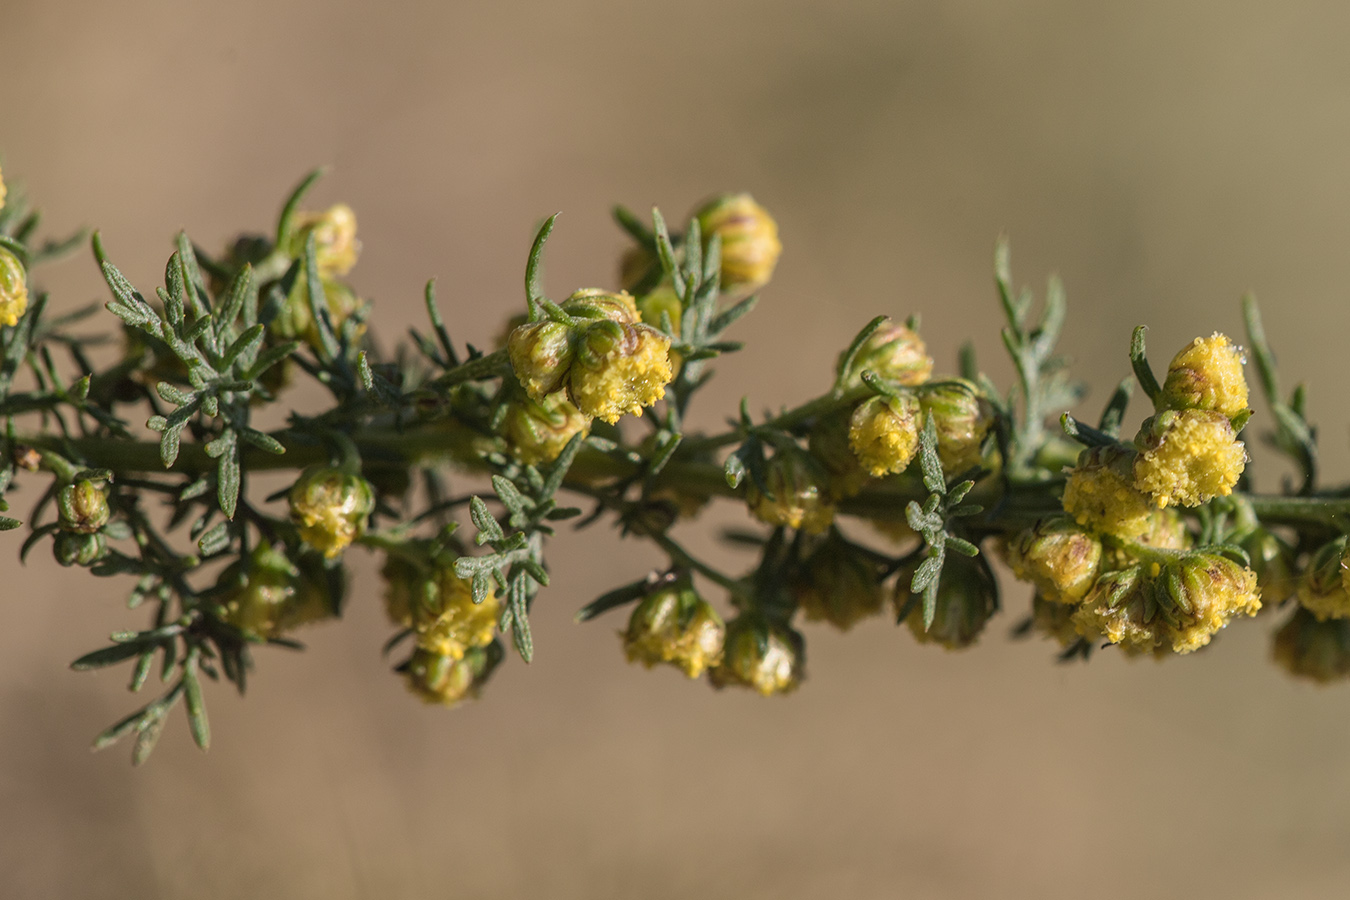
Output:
(446, 680)
(1207, 374)
(794, 494)
(966, 599)
(541, 355)
(839, 583)
(268, 595)
(1187, 457)
(1059, 557)
(537, 431)
(894, 352)
(675, 625)
(1323, 590)
(768, 657)
(750, 245)
(1308, 647)
(74, 549)
(441, 610)
(330, 507)
(335, 243)
(962, 422)
(13, 288)
(619, 369)
(295, 320)
(1210, 591)
(83, 507)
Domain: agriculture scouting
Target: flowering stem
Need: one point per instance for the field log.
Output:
(495, 363)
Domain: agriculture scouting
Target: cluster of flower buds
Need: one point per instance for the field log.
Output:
(456, 647)
(598, 354)
(335, 251)
(83, 514)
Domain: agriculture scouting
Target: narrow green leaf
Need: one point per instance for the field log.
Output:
(488, 527)
(285, 222)
(846, 361)
(214, 540)
(227, 481)
(244, 346)
(1139, 362)
(534, 268)
(196, 708)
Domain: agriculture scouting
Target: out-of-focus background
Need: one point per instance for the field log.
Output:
(1163, 157)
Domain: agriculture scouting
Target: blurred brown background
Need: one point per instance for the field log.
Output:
(1162, 156)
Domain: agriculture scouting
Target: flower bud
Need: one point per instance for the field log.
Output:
(1322, 589)
(295, 320)
(446, 680)
(1308, 647)
(335, 243)
(675, 625)
(750, 245)
(962, 422)
(13, 288)
(541, 355)
(768, 657)
(828, 443)
(1210, 590)
(537, 432)
(662, 302)
(74, 549)
(839, 583)
(1187, 457)
(1118, 609)
(438, 606)
(330, 507)
(1100, 493)
(619, 368)
(895, 353)
(268, 595)
(1059, 557)
(83, 507)
(795, 494)
(966, 599)
(596, 304)
(884, 433)
(1207, 375)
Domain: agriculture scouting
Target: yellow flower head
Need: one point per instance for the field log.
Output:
(1187, 457)
(767, 657)
(269, 595)
(962, 422)
(537, 431)
(13, 288)
(676, 626)
(796, 495)
(750, 245)
(966, 599)
(446, 680)
(838, 583)
(1322, 590)
(1308, 647)
(1100, 493)
(1213, 591)
(1057, 556)
(620, 369)
(330, 508)
(894, 352)
(335, 243)
(884, 433)
(439, 607)
(1207, 374)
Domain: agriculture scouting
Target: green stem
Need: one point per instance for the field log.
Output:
(788, 420)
